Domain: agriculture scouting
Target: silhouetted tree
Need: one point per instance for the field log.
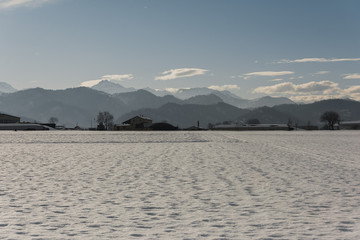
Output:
(331, 118)
(105, 121)
(289, 123)
(53, 120)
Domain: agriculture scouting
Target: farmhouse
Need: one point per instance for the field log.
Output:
(135, 123)
(5, 118)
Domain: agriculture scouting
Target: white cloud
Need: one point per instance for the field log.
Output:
(352, 92)
(90, 83)
(321, 72)
(21, 3)
(172, 90)
(224, 87)
(117, 77)
(311, 91)
(181, 73)
(313, 98)
(306, 88)
(111, 77)
(352, 76)
(352, 89)
(269, 73)
(322, 60)
(244, 77)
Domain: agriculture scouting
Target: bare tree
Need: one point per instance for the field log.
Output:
(331, 118)
(108, 121)
(105, 121)
(289, 124)
(53, 120)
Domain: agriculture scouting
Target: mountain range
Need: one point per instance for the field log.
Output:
(80, 106)
(185, 94)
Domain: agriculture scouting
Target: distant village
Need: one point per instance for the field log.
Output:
(142, 123)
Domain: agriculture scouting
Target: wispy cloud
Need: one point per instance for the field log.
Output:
(352, 92)
(353, 89)
(321, 72)
(172, 90)
(111, 77)
(117, 77)
(291, 88)
(352, 76)
(311, 91)
(321, 60)
(269, 73)
(181, 73)
(90, 83)
(313, 98)
(21, 3)
(224, 87)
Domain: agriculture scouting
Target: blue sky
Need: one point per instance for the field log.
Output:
(305, 50)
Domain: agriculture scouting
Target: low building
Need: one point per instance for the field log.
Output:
(250, 127)
(350, 125)
(163, 126)
(135, 123)
(5, 118)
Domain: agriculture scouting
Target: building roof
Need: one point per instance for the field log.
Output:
(350, 122)
(141, 117)
(7, 115)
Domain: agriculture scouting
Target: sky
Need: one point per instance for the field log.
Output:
(305, 50)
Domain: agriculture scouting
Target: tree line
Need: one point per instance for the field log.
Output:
(105, 120)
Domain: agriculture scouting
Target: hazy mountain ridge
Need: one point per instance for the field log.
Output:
(349, 110)
(191, 95)
(144, 99)
(80, 106)
(203, 100)
(77, 106)
(111, 87)
(187, 115)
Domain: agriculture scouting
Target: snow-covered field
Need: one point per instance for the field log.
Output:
(180, 185)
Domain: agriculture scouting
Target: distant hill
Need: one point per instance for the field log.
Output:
(144, 99)
(203, 100)
(187, 115)
(268, 115)
(71, 106)
(349, 110)
(191, 94)
(159, 93)
(80, 106)
(255, 103)
(269, 102)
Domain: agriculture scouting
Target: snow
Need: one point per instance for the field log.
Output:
(6, 88)
(180, 185)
